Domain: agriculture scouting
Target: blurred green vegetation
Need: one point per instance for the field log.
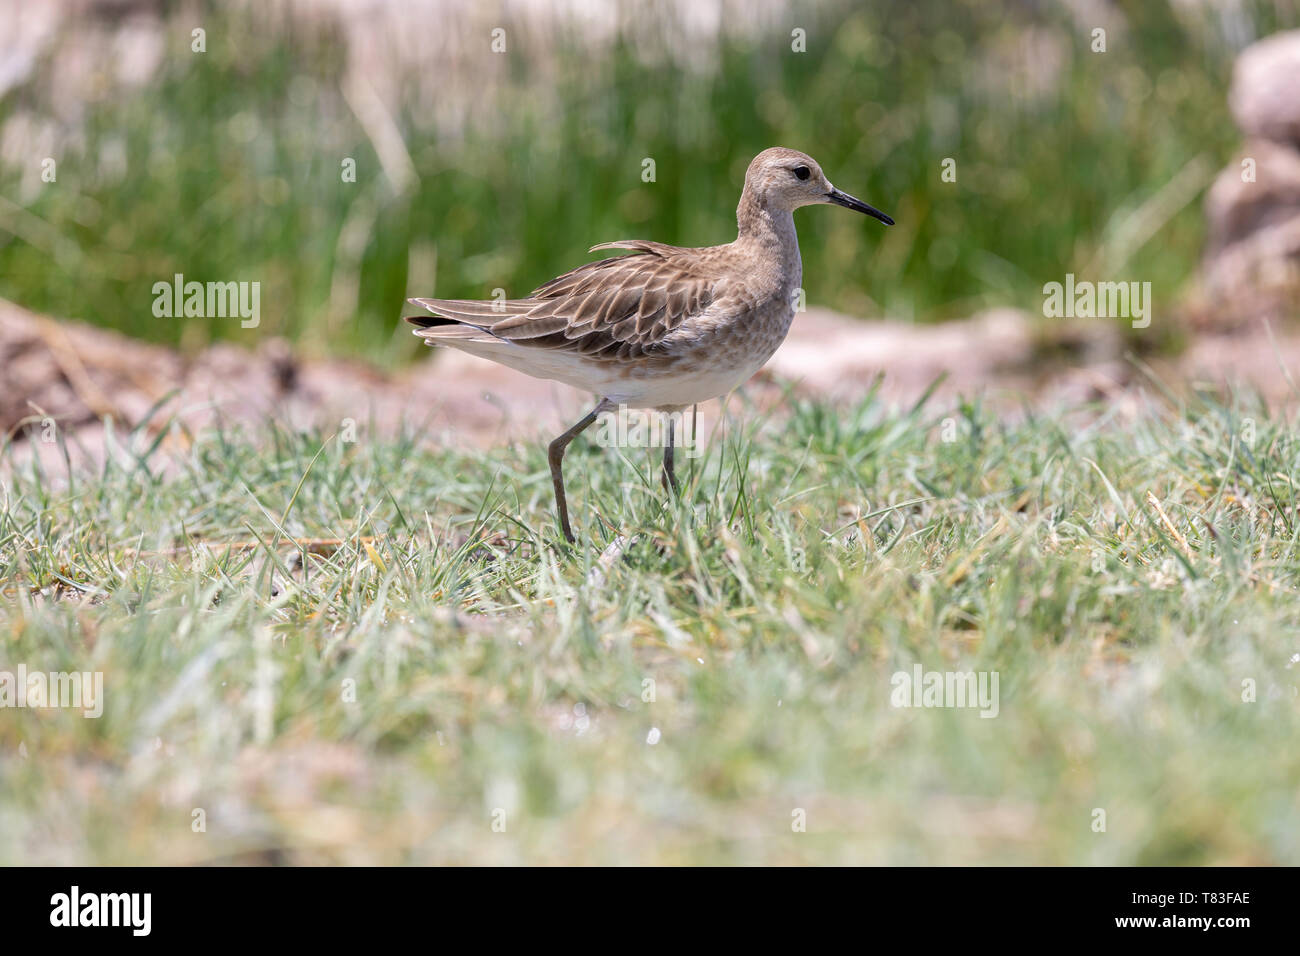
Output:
(232, 165)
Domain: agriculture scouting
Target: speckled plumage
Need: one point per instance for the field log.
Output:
(661, 327)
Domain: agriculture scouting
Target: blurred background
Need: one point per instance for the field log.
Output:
(478, 169)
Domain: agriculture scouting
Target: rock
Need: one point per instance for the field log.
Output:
(1235, 209)
(1252, 254)
(1265, 93)
(1257, 276)
(1252, 263)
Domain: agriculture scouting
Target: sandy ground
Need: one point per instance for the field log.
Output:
(62, 375)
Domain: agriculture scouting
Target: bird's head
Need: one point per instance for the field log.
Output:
(786, 179)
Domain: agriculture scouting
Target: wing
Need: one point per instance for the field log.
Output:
(623, 306)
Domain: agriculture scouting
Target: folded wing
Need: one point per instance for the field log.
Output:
(623, 306)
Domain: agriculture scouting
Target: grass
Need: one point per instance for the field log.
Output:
(362, 652)
(226, 165)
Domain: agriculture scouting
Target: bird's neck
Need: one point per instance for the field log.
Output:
(760, 224)
(768, 232)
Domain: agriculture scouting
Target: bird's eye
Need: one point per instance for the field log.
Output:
(802, 172)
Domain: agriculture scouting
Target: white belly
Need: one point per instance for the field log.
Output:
(679, 389)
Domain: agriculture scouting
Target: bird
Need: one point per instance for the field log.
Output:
(659, 327)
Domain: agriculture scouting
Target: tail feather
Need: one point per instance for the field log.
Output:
(453, 319)
(457, 327)
(429, 321)
(471, 310)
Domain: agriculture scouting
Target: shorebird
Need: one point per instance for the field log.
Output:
(662, 327)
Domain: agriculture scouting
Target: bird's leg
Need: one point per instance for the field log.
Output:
(555, 455)
(669, 478)
(695, 449)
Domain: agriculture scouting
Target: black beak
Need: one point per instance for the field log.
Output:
(857, 205)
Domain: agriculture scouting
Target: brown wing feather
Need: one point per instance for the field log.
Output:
(624, 305)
